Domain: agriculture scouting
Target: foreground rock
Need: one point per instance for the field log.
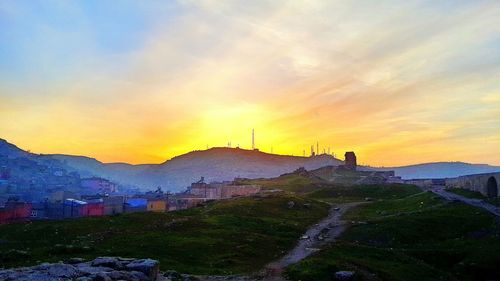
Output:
(100, 269)
(105, 269)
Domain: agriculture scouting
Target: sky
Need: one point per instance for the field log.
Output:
(398, 82)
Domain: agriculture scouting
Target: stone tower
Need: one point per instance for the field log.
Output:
(350, 161)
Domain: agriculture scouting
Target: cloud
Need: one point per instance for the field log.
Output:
(396, 81)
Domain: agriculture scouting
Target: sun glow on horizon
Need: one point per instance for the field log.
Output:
(143, 82)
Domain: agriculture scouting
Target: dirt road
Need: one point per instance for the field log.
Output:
(315, 237)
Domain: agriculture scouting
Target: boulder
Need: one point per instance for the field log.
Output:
(147, 266)
(62, 270)
(344, 275)
(111, 262)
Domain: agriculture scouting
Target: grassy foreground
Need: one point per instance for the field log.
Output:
(225, 237)
(420, 237)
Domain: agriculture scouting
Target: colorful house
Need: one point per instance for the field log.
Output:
(15, 211)
(94, 208)
(157, 205)
(133, 205)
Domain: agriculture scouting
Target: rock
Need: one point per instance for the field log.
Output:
(111, 262)
(344, 275)
(62, 270)
(147, 266)
(100, 269)
(290, 204)
(100, 277)
(172, 275)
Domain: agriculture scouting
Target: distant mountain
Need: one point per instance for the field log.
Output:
(441, 170)
(219, 164)
(215, 164)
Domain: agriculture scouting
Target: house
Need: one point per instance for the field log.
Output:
(157, 205)
(133, 205)
(94, 208)
(74, 208)
(15, 211)
(184, 201)
(97, 185)
(61, 195)
(113, 205)
(39, 211)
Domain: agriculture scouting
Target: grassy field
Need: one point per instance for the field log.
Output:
(291, 182)
(342, 194)
(474, 195)
(225, 237)
(466, 193)
(419, 237)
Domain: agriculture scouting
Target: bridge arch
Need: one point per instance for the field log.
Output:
(492, 187)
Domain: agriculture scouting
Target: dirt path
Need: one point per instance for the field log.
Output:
(316, 237)
(439, 190)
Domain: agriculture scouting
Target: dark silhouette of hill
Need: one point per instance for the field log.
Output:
(219, 164)
(215, 164)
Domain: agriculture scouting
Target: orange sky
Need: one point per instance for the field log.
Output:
(399, 83)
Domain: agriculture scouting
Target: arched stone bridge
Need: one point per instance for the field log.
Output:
(486, 184)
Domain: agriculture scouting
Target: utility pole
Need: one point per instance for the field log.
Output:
(253, 139)
(317, 147)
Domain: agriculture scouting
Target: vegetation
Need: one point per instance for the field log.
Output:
(342, 194)
(225, 237)
(466, 193)
(290, 182)
(405, 239)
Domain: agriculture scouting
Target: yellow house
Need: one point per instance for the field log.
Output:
(158, 205)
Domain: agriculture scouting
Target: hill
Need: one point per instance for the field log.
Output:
(441, 170)
(215, 164)
(220, 164)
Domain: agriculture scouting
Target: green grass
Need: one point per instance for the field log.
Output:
(369, 263)
(225, 237)
(414, 203)
(342, 193)
(493, 201)
(466, 193)
(291, 182)
(440, 240)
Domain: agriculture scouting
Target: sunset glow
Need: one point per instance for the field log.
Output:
(401, 82)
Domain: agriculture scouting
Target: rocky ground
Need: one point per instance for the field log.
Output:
(100, 269)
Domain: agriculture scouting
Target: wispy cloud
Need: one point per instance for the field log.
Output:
(399, 82)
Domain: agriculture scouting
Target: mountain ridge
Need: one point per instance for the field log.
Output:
(223, 163)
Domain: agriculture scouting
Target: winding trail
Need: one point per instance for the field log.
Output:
(322, 233)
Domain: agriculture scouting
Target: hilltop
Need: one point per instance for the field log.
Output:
(222, 163)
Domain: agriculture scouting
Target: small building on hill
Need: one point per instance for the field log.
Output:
(97, 185)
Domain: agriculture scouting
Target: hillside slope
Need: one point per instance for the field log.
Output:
(215, 164)
(441, 170)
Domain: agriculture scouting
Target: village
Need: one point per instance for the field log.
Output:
(64, 204)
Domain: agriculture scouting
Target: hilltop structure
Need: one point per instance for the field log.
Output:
(350, 161)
